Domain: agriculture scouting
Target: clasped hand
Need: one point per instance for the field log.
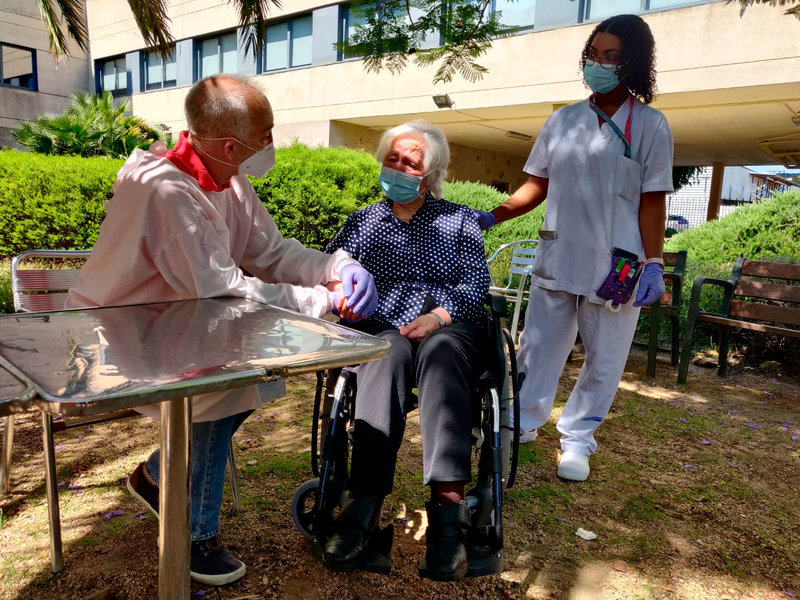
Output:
(356, 296)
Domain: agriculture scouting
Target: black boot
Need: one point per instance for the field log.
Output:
(446, 553)
(346, 549)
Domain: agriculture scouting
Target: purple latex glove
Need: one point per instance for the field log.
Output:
(359, 289)
(651, 285)
(485, 219)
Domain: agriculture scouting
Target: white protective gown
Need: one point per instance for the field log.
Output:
(166, 238)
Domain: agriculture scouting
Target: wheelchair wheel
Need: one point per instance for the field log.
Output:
(303, 503)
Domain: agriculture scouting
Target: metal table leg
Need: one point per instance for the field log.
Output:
(5, 459)
(53, 512)
(174, 498)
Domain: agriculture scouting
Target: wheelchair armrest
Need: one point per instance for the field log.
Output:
(497, 304)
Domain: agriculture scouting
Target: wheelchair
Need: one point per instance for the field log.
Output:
(495, 439)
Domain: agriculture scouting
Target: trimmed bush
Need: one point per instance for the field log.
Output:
(311, 191)
(52, 201)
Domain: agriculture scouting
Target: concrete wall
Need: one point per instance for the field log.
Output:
(21, 25)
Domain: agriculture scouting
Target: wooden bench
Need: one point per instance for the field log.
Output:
(668, 306)
(752, 300)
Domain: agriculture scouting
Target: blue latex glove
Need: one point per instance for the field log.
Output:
(485, 219)
(359, 289)
(651, 285)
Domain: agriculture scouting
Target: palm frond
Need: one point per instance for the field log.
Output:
(253, 19)
(71, 12)
(153, 22)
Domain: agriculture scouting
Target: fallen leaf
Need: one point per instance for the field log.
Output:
(619, 565)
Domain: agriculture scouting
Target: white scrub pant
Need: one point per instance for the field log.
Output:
(551, 323)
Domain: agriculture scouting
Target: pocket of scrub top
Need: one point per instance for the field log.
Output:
(545, 263)
(628, 179)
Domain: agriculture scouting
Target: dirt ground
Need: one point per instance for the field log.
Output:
(693, 495)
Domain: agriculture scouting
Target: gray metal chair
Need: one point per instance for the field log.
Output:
(515, 288)
(45, 289)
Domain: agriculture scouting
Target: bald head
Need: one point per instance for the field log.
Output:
(225, 106)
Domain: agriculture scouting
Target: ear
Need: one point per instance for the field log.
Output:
(229, 149)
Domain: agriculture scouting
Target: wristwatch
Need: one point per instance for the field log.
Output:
(439, 319)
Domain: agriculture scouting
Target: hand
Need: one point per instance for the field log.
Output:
(651, 285)
(485, 219)
(359, 289)
(420, 328)
(340, 307)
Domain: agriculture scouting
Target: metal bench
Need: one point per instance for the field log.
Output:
(515, 289)
(668, 306)
(760, 296)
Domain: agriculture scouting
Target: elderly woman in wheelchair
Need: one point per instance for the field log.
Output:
(427, 257)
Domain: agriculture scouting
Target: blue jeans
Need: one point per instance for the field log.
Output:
(210, 440)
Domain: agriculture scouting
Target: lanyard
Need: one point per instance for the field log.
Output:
(625, 137)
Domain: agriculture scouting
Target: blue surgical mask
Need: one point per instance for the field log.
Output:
(599, 77)
(400, 187)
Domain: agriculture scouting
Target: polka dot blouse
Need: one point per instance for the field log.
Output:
(436, 259)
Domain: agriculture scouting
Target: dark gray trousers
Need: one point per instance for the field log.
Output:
(442, 367)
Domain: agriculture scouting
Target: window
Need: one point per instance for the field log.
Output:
(17, 66)
(288, 44)
(659, 4)
(217, 55)
(159, 73)
(515, 13)
(353, 17)
(113, 75)
(601, 9)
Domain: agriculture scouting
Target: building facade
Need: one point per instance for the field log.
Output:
(32, 83)
(728, 84)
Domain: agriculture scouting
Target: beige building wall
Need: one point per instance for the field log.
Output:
(21, 25)
(725, 82)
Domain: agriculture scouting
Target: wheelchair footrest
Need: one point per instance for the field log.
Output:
(378, 557)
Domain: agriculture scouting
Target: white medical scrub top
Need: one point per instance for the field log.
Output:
(594, 191)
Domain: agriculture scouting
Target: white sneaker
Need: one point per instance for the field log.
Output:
(526, 437)
(573, 466)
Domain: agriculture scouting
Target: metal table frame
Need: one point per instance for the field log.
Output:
(175, 409)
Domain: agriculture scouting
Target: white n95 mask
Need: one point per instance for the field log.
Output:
(256, 166)
(260, 163)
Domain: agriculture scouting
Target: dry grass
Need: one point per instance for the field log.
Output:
(689, 501)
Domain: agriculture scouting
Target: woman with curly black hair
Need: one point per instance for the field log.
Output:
(605, 167)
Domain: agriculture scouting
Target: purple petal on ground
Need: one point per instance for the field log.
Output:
(200, 594)
(674, 387)
(80, 437)
(688, 466)
(245, 588)
(642, 413)
(107, 550)
(760, 507)
(794, 438)
(247, 440)
(683, 420)
(774, 381)
(733, 412)
(140, 513)
(112, 514)
(789, 594)
(787, 423)
(691, 414)
(58, 447)
(62, 483)
(705, 443)
(751, 426)
(307, 378)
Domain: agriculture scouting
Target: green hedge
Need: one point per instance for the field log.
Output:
(52, 201)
